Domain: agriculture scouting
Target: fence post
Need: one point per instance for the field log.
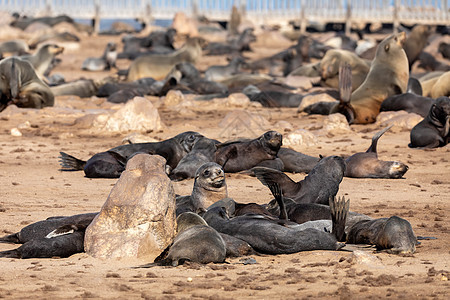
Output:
(303, 20)
(243, 8)
(96, 20)
(396, 22)
(48, 7)
(147, 18)
(348, 21)
(195, 9)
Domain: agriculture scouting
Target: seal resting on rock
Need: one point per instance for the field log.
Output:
(433, 131)
(195, 241)
(111, 163)
(367, 165)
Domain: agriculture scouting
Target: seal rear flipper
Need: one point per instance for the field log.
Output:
(11, 254)
(373, 146)
(270, 176)
(339, 209)
(66, 229)
(12, 238)
(278, 194)
(70, 163)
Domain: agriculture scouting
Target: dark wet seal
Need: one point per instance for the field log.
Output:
(111, 163)
(320, 184)
(196, 242)
(243, 155)
(54, 237)
(433, 131)
(367, 165)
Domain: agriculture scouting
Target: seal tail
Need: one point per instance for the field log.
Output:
(11, 254)
(339, 208)
(70, 163)
(278, 194)
(12, 239)
(373, 146)
(269, 176)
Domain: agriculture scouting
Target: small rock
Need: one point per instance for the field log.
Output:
(401, 120)
(16, 132)
(243, 123)
(299, 137)
(173, 98)
(335, 124)
(311, 99)
(362, 257)
(24, 125)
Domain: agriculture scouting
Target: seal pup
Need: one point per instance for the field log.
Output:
(202, 152)
(268, 236)
(320, 184)
(55, 236)
(433, 131)
(238, 156)
(158, 66)
(218, 73)
(196, 241)
(209, 187)
(111, 163)
(388, 75)
(367, 165)
(272, 98)
(105, 62)
(20, 85)
(43, 58)
(444, 49)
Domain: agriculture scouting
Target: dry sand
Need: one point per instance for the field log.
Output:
(32, 188)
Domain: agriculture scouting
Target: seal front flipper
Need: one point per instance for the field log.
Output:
(339, 209)
(345, 92)
(270, 176)
(11, 238)
(70, 163)
(375, 138)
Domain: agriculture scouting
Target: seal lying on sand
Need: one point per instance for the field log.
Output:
(367, 165)
(105, 62)
(56, 236)
(267, 236)
(320, 184)
(244, 155)
(433, 131)
(158, 66)
(409, 102)
(111, 164)
(15, 47)
(195, 242)
(202, 152)
(43, 58)
(209, 187)
(20, 85)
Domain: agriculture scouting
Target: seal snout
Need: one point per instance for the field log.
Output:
(397, 169)
(401, 38)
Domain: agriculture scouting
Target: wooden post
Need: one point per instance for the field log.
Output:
(48, 7)
(303, 21)
(96, 20)
(195, 9)
(243, 8)
(348, 20)
(147, 18)
(396, 22)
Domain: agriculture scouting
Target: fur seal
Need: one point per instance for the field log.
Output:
(105, 62)
(43, 58)
(218, 73)
(444, 49)
(442, 86)
(235, 45)
(202, 152)
(55, 236)
(20, 85)
(15, 47)
(268, 236)
(416, 42)
(320, 184)
(330, 63)
(243, 155)
(157, 41)
(296, 162)
(209, 187)
(272, 98)
(367, 165)
(158, 66)
(409, 102)
(111, 163)
(433, 131)
(196, 241)
(388, 75)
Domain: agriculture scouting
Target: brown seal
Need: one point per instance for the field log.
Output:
(388, 76)
(43, 58)
(195, 242)
(158, 66)
(20, 85)
(416, 42)
(367, 165)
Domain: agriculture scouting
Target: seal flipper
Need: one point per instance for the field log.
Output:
(71, 163)
(373, 146)
(339, 209)
(11, 238)
(278, 194)
(270, 176)
(345, 92)
(10, 254)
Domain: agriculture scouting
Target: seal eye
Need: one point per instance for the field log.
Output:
(206, 173)
(386, 48)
